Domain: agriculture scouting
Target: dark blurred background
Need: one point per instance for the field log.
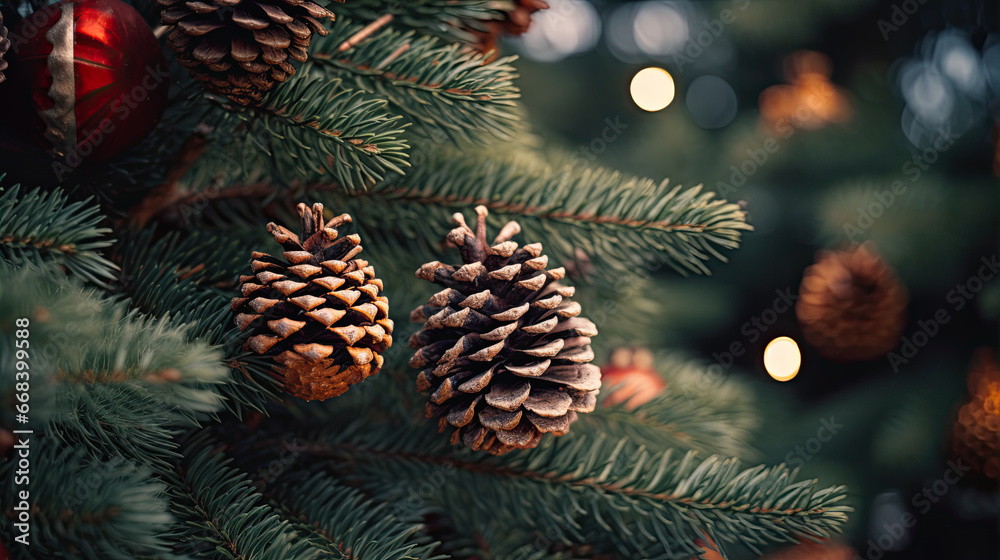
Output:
(836, 122)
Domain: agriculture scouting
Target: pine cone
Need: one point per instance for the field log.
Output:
(516, 21)
(976, 433)
(851, 305)
(4, 47)
(242, 48)
(319, 312)
(502, 350)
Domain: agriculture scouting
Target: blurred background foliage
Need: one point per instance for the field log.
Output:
(809, 112)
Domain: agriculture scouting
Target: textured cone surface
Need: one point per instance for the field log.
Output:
(4, 47)
(318, 310)
(976, 433)
(851, 306)
(242, 48)
(502, 350)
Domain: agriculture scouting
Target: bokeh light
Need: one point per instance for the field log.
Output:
(652, 89)
(620, 34)
(949, 84)
(660, 28)
(567, 27)
(809, 100)
(782, 358)
(927, 93)
(711, 102)
(961, 63)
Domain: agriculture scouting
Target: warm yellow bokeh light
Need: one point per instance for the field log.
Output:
(652, 89)
(782, 358)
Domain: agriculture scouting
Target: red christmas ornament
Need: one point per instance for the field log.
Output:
(95, 76)
(632, 378)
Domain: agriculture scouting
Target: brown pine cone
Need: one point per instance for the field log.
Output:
(317, 311)
(4, 47)
(851, 305)
(502, 351)
(976, 433)
(242, 48)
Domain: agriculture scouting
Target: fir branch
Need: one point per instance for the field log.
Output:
(696, 412)
(84, 338)
(591, 489)
(118, 418)
(38, 227)
(617, 221)
(192, 278)
(212, 491)
(444, 89)
(692, 414)
(222, 516)
(312, 125)
(345, 522)
(165, 194)
(82, 507)
(111, 381)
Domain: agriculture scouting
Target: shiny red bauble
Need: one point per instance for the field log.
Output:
(93, 75)
(631, 378)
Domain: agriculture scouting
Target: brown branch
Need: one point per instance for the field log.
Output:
(408, 81)
(392, 56)
(212, 194)
(166, 194)
(365, 32)
(40, 244)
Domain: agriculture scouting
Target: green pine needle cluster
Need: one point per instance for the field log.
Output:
(38, 227)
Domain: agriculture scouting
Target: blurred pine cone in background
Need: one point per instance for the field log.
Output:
(976, 433)
(851, 305)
